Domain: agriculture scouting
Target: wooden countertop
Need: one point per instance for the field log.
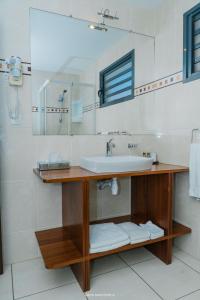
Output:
(79, 174)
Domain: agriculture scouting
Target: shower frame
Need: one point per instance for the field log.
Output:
(69, 84)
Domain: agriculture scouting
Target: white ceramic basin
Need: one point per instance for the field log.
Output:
(101, 164)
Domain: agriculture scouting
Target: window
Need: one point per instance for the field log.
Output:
(117, 81)
(191, 64)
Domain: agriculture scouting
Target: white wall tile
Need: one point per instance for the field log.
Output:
(19, 246)
(18, 206)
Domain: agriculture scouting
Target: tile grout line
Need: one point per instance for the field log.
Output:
(182, 297)
(127, 265)
(95, 276)
(198, 272)
(44, 291)
(12, 282)
(143, 280)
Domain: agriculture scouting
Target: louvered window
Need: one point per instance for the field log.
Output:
(192, 44)
(117, 81)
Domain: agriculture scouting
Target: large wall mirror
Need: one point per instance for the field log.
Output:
(84, 75)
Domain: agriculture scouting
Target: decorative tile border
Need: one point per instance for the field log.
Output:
(26, 67)
(159, 84)
(89, 107)
(144, 89)
(51, 109)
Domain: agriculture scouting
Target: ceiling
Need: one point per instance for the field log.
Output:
(148, 4)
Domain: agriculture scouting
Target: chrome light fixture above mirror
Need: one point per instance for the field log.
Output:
(105, 14)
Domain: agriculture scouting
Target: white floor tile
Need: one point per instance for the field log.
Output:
(122, 284)
(193, 296)
(170, 281)
(6, 284)
(136, 255)
(69, 292)
(188, 259)
(31, 277)
(106, 264)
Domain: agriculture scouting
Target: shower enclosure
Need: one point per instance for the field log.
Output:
(66, 108)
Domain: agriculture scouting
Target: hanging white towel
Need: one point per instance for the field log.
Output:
(136, 233)
(154, 230)
(194, 190)
(106, 236)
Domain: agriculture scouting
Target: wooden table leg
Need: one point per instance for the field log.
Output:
(75, 206)
(82, 274)
(152, 198)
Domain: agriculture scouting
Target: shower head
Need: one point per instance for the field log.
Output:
(100, 27)
(62, 96)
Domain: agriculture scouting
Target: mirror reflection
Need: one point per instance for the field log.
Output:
(84, 75)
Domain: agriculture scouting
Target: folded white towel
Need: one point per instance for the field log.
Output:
(106, 234)
(136, 233)
(154, 230)
(195, 171)
(110, 247)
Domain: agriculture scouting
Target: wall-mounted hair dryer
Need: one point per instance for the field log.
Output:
(14, 65)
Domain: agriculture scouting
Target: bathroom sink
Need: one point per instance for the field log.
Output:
(101, 164)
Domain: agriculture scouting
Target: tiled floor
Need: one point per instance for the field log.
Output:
(134, 275)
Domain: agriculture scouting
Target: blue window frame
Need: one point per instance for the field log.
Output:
(117, 81)
(191, 44)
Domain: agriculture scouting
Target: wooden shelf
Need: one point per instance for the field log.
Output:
(127, 247)
(57, 249)
(178, 230)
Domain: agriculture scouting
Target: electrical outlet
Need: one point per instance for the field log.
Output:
(132, 146)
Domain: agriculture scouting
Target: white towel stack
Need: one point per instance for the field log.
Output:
(107, 236)
(154, 231)
(136, 233)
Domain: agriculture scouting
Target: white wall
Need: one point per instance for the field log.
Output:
(175, 114)
(28, 204)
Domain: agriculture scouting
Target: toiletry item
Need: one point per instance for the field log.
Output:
(47, 165)
(154, 156)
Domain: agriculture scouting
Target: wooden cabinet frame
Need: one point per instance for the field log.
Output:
(151, 199)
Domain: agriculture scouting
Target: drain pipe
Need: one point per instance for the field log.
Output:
(112, 183)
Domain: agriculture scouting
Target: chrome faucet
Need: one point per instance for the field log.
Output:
(109, 147)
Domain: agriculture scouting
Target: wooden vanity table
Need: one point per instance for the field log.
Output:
(151, 199)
